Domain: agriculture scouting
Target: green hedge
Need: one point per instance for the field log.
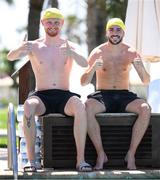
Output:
(3, 125)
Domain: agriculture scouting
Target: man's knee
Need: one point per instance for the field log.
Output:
(30, 107)
(145, 109)
(74, 106)
(88, 105)
(78, 105)
(91, 107)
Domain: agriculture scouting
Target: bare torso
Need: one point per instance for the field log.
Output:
(50, 65)
(114, 73)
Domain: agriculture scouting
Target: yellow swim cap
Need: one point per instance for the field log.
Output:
(115, 22)
(51, 13)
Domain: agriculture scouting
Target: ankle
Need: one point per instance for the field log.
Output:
(101, 154)
(80, 160)
(130, 154)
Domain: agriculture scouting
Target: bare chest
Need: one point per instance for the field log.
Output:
(47, 58)
(116, 64)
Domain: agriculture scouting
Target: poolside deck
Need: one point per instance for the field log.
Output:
(110, 174)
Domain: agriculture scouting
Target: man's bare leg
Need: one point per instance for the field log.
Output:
(143, 110)
(30, 135)
(93, 107)
(32, 107)
(74, 107)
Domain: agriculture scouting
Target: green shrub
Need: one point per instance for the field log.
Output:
(3, 118)
(3, 124)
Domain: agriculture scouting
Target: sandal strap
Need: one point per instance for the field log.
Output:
(30, 167)
(84, 166)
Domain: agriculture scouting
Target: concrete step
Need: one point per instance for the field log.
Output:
(72, 174)
(110, 174)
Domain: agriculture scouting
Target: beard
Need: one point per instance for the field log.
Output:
(115, 42)
(52, 32)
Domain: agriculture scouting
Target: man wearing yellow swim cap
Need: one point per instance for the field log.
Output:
(52, 58)
(111, 62)
(115, 22)
(52, 13)
(52, 19)
(115, 30)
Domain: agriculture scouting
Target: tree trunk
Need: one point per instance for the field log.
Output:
(96, 20)
(91, 25)
(34, 18)
(53, 3)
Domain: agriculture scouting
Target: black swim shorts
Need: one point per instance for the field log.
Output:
(115, 101)
(54, 99)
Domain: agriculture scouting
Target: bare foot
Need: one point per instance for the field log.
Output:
(101, 159)
(130, 160)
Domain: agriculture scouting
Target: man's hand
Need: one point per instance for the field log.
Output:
(66, 49)
(137, 61)
(143, 74)
(21, 51)
(72, 52)
(25, 48)
(98, 64)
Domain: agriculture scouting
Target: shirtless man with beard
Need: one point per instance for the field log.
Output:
(112, 61)
(52, 58)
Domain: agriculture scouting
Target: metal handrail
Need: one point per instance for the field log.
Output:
(12, 149)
